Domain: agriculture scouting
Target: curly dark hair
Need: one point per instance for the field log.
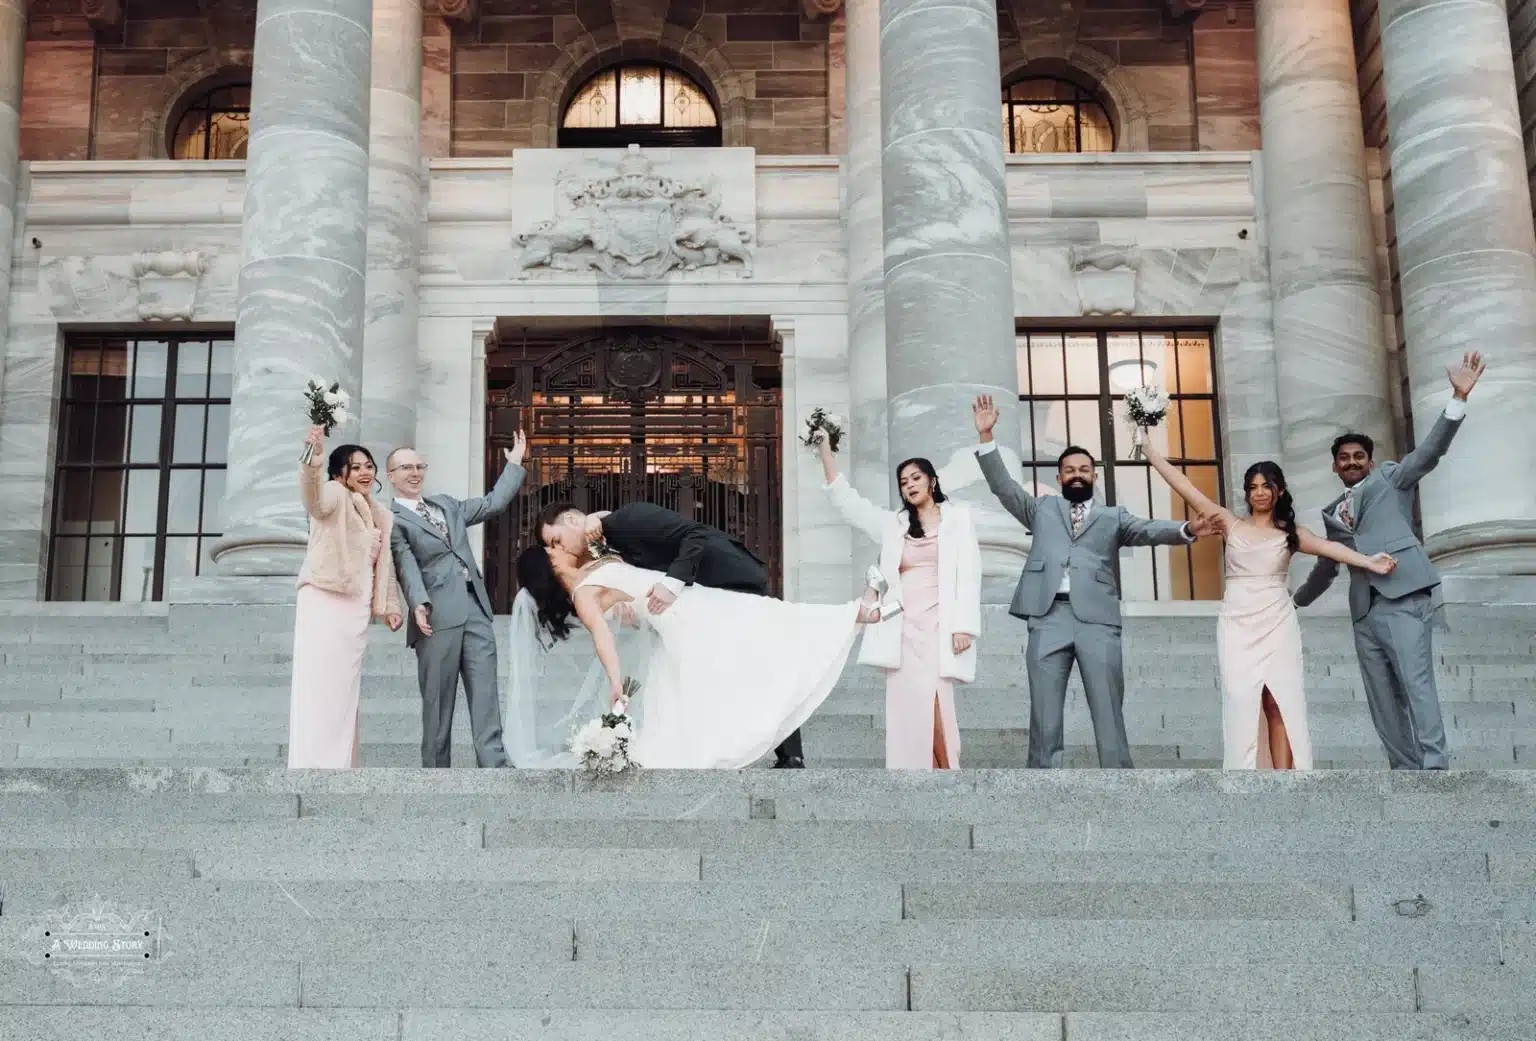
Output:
(914, 525)
(553, 601)
(1284, 510)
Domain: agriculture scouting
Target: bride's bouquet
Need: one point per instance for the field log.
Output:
(327, 408)
(1146, 406)
(602, 744)
(824, 424)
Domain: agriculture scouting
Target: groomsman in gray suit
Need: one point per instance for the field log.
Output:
(1069, 593)
(451, 616)
(1393, 613)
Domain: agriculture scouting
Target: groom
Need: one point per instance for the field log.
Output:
(1393, 613)
(451, 616)
(1069, 594)
(658, 539)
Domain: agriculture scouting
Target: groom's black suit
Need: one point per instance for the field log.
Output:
(659, 539)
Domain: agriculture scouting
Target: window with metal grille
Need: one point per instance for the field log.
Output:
(1044, 116)
(138, 494)
(646, 104)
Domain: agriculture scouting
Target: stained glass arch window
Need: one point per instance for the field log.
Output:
(216, 125)
(1045, 115)
(644, 103)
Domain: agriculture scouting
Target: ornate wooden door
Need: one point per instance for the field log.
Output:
(631, 415)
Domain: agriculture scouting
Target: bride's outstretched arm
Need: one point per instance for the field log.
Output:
(1185, 488)
(589, 609)
(1309, 543)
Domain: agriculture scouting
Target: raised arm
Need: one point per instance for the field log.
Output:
(322, 497)
(1179, 481)
(479, 510)
(1381, 563)
(1009, 492)
(1428, 453)
(856, 511)
(589, 609)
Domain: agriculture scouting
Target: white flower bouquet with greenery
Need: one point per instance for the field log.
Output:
(1147, 407)
(327, 407)
(824, 424)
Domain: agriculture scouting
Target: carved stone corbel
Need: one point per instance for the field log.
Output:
(167, 284)
(463, 12)
(818, 9)
(104, 15)
(1106, 278)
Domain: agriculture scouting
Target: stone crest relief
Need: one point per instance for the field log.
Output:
(1106, 278)
(635, 223)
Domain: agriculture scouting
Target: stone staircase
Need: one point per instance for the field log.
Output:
(139, 765)
(818, 905)
(113, 685)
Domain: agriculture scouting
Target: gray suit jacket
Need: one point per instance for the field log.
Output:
(1383, 512)
(1090, 557)
(428, 564)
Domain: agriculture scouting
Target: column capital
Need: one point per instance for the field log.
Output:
(816, 9)
(462, 11)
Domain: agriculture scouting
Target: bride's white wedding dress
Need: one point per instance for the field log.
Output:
(725, 676)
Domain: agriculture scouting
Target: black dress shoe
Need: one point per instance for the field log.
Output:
(792, 762)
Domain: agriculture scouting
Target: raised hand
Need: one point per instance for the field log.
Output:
(1204, 524)
(1382, 564)
(1464, 378)
(985, 415)
(316, 437)
(514, 455)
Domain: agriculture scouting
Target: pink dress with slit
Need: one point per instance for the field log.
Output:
(1258, 645)
(911, 690)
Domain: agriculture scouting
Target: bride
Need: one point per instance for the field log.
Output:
(724, 676)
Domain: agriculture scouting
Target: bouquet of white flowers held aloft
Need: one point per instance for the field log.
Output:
(1147, 406)
(603, 743)
(824, 424)
(327, 408)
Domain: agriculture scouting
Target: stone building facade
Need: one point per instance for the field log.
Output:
(657, 233)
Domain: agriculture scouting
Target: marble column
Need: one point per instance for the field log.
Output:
(1330, 355)
(1466, 252)
(868, 459)
(395, 198)
(301, 288)
(13, 41)
(949, 316)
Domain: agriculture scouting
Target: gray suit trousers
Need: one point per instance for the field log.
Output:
(1397, 662)
(467, 650)
(1057, 639)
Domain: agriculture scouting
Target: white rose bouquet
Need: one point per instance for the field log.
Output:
(824, 424)
(602, 744)
(327, 407)
(1146, 406)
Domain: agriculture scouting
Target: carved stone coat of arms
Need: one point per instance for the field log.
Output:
(635, 224)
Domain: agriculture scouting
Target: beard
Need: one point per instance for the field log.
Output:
(1077, 490)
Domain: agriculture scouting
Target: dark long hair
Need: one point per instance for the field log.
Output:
(537, 575)
(914, 524)
(1284, 511)
(341, 457)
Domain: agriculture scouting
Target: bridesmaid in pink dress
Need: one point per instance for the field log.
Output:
(1258, 637)
(929, 548)
(347, 578)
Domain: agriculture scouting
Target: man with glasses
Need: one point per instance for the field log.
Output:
(451, 619)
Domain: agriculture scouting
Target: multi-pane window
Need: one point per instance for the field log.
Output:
(1046, 116)
(1072, 387)
(138, 494)
(645, 104)
(215, 126)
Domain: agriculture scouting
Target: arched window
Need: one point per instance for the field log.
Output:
(1043, 116)
(646, 104)
(216, 125)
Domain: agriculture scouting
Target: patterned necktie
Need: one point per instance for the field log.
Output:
(1347, 509)
(442, 529)
(1079, 514)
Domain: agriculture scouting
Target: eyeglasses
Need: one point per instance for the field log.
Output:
(411, 468)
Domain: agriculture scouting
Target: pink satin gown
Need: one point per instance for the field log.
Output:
(330, 634)
(911, 690)
(1258, 644)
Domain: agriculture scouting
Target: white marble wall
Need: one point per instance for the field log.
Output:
(1181, 215)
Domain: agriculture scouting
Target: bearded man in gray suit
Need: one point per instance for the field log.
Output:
(1069, 593)
(1393, 613)
(450, 616)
